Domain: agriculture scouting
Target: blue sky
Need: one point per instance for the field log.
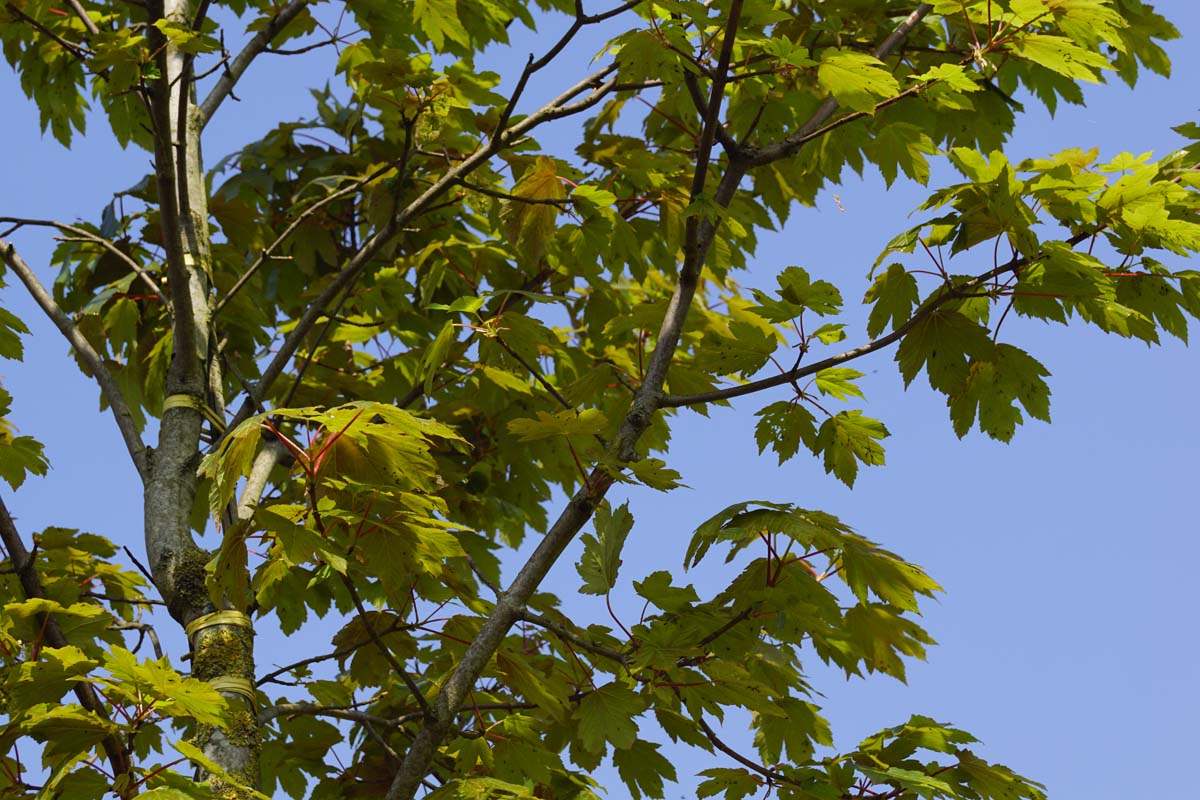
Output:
(1067, 642)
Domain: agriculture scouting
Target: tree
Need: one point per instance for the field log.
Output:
(359, 360)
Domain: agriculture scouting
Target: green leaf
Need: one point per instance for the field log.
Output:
(197, 756)
(506, 380)
(477, 788)
(20, 456)
(50, 677)
(157, 682)
(594, 195)
(884, 638)
(956, 76)
(993, 780)
(733, 782)
(229, 463)
(606, 716)
(601, 557)
(11, 330)
(658, 590)
(1060, 54)
(847, 438)
(791, 735)
(865, 566)
(81, 623)
(656, 474)
(820, 297)
(993, 387)
(66, 730)
(838, 382)
(643, 769)
(941, 341)
(436, 355)
(529, 222)
(920, 783)
(856, 80)
(439, 20)
(588, 422)
(894, 294)
(784, 426)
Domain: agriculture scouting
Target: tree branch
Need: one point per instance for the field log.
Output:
(144, 630)
(93, 361)
(118, 755)
(345, 651)
(313, 709)
(256, 481)
(241, 62)
(511, 605)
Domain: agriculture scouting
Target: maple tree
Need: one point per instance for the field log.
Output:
(353, 362)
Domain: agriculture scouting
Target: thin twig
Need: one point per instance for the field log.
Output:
(567, 635)
(111, 247)
(144, 629)
(533, 201)
(770, 774)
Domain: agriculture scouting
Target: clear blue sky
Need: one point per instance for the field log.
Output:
(1067, 637)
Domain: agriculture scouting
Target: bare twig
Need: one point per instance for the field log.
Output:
(340, 653)
(312, 350)
(532, 66)
(87, 354)
(771, 775)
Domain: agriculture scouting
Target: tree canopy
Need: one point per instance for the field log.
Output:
(359, 362)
